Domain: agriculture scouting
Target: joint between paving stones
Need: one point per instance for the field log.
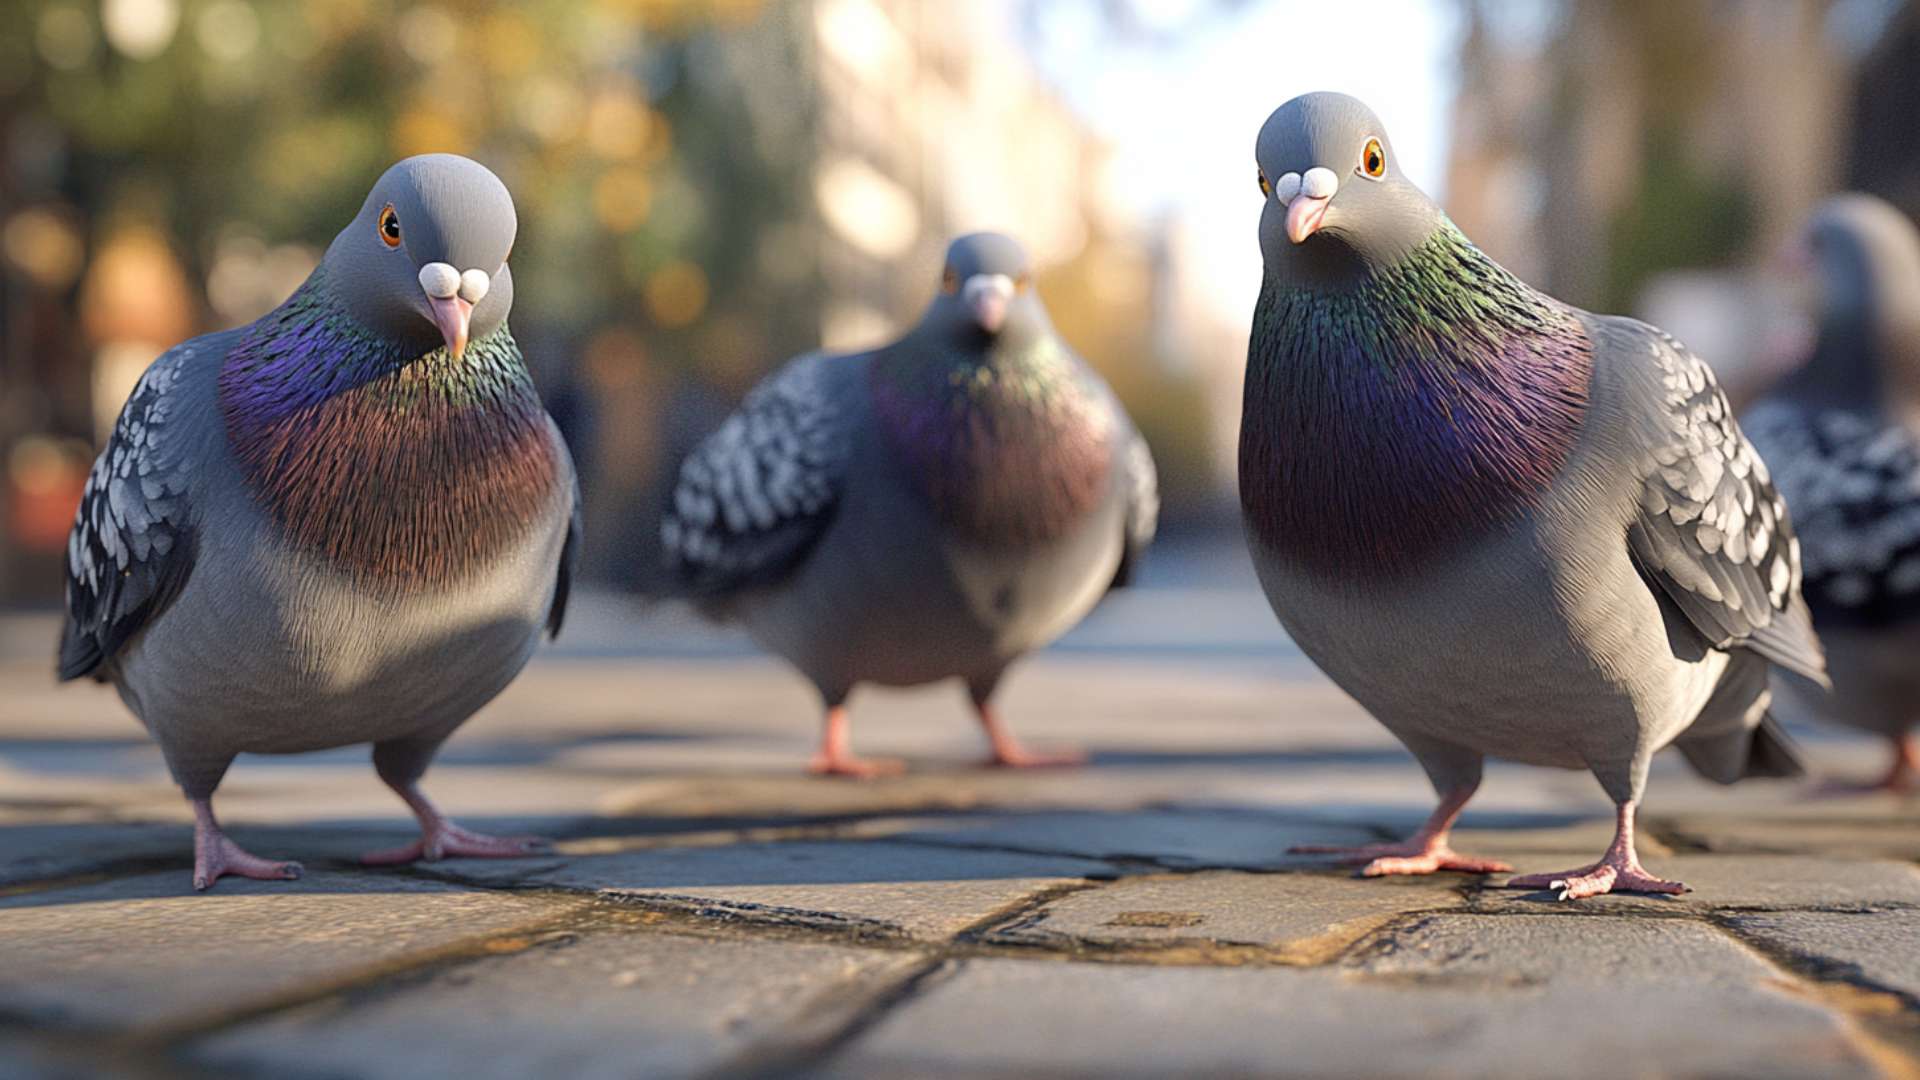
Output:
(1884, 1022)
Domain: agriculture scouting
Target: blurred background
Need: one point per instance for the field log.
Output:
(707, 188)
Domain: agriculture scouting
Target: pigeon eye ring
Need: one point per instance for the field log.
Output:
(1373, 160)
(389, 227)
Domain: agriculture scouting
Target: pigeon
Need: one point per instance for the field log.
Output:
(1843, 436)
(346, 522)
(1505, 526)
(931, 509)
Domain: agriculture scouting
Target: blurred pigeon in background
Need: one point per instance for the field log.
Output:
(935, 508)
(346, 522)
(1842, 434)
(1506, 526)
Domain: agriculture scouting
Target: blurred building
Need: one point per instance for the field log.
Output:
(1598, 141)
(705, 188)
(1649, 155)
(931, 124)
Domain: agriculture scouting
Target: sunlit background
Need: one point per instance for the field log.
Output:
(707, 188)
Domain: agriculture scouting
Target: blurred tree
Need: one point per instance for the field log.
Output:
(235, 138)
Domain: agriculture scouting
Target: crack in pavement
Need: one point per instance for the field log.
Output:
(1882, 1021)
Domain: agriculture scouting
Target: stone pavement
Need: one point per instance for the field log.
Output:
(710, 911)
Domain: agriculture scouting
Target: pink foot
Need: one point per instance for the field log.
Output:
(1011, 755)
(215, 857)
(1405, 857)
(1901, 778)
(447, 840)
(1610, 874)
(859, 768)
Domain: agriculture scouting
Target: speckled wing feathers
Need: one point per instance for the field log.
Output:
(1712, 531)
(755, 495)
(1854, 484)
(131, 548)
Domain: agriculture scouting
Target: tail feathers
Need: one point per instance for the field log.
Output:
(1772, 753)
(1766, 752)
(1736, 737)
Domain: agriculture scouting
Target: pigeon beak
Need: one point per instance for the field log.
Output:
(987, 296)
(451, 314)
(1304, 216)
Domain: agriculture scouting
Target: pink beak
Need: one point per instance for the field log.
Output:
(1304, 216)
(989, 309)
(451, 315)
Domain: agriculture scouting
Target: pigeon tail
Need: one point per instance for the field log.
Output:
(1736, 736)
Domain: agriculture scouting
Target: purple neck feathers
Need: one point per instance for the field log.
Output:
(1385, 425)
(1010, 450)
(403, 472)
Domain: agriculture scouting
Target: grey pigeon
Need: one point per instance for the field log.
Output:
(1843, 436)
(933, 508)
(347, 522)
(1506, 526)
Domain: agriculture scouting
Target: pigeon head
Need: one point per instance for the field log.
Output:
(1866, 255)
(986, 291)
(424, 263)
(1858, 259)
(1337, 203)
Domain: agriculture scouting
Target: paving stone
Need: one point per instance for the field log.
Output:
(1524, 843)
(37, 851)
(1722, 882)
(24, 1060)
(1876, 948)
(1382, 786)
(677, 779)
(1538, 950)
(1298, 917)
(867, 886)
(1888, 834)
(603, 1005)
(146, 950)
(1172, 839)
(1000, 1017)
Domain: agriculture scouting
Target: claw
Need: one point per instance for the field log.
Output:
(1619, 870)
(448, 840)
(215, 855)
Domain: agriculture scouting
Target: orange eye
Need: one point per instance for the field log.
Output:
(1266, 186)
(949, 281)
(389, 227)
(1373, 160)
(1023, 283)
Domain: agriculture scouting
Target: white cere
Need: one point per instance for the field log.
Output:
(1319, 183)
(474, 285)
(1000, 284)
(1287, 188)
(442, 281)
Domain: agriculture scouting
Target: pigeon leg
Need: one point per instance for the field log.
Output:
(1619, 870)
(1425, 852)
(215, 856)
(440, 838)
(1902, 776)
(1007, 751)
(836, 757)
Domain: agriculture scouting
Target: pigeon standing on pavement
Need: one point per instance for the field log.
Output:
(346, 522)
(933, 508)
(1506, 526)
(1843, 436)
